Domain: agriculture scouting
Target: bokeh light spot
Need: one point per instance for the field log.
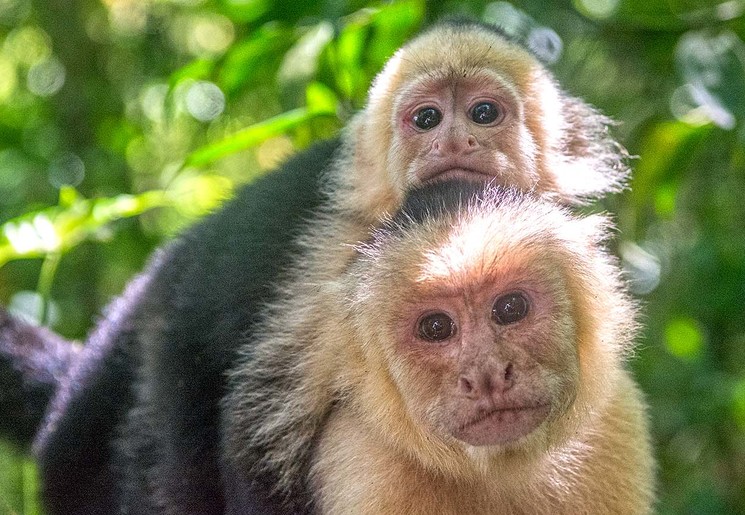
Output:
(153, 102)
(8, 79)
(28, 45)
(598, 9)
(205, 101)
(642, 268)
(683, 338)
(546, 44)
(504, 15)
(67, 170)
(211, 35)
(46, 77)
(26, 305)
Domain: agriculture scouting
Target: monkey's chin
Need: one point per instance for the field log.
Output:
(502, 426)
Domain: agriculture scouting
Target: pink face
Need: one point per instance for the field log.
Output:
(491, 365)
(470, 127)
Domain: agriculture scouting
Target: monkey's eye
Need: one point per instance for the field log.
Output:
(510, 308)
(485, 113)
(427, 118)
(436, 327)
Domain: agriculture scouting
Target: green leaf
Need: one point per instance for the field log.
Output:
(321, 99)
(254, 134)
(195, 70)
(253, 60)
(76, 219)
(19, 485)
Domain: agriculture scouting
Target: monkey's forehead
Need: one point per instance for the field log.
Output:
(461, 233)
(440, 260)
(458, 50)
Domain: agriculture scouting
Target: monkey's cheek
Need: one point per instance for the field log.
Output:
(502, 426)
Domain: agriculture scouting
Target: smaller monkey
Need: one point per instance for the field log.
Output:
(470, 360)
(464, 100)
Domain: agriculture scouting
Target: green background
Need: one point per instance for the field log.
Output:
(122, 121)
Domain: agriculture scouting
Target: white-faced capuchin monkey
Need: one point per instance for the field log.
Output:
(471, 360)
(463, 100)
(135, 423)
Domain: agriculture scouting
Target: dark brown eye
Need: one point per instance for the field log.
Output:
(510, 308)
(436, 327)
(427, 118)
(485, 113)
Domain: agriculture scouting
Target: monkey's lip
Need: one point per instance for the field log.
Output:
(445, 173)
(502, 424)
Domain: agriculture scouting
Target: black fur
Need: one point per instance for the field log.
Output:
(432, 200)
(133, 426)
(32, 361)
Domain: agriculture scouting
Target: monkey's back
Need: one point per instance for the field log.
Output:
(143, 400)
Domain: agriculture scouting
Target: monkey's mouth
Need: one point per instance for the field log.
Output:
(502, 425)
(453, 172)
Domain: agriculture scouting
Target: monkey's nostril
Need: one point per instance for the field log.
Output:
(509, 373)
(466, 386)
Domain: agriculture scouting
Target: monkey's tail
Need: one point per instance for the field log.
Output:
(32, 362)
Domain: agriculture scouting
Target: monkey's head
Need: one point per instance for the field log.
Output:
(489, 321)
(463, 101)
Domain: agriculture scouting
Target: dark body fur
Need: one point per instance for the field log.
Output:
(133, 427)
(32, 362)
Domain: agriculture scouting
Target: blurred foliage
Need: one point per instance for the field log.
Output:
(125, 120)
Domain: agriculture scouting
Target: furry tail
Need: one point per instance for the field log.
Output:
(32, 362)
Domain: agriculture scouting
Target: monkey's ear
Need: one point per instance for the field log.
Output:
(595, 164)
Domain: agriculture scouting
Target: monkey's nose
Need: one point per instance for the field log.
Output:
(460, 143)
(475, 384)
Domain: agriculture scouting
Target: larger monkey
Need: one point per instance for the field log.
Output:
(470, 361)
(488, 110)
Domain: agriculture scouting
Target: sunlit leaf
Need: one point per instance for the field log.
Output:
(346, 57)
(246, 10)
(253, 135)
(195, 195)
(300, 63)
(320, 98)
(394, 25)
(59, 228)
(195, 70)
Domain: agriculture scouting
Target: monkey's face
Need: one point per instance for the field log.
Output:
(464, 103)
(475, 319)
(462, 124)
(492, 362)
